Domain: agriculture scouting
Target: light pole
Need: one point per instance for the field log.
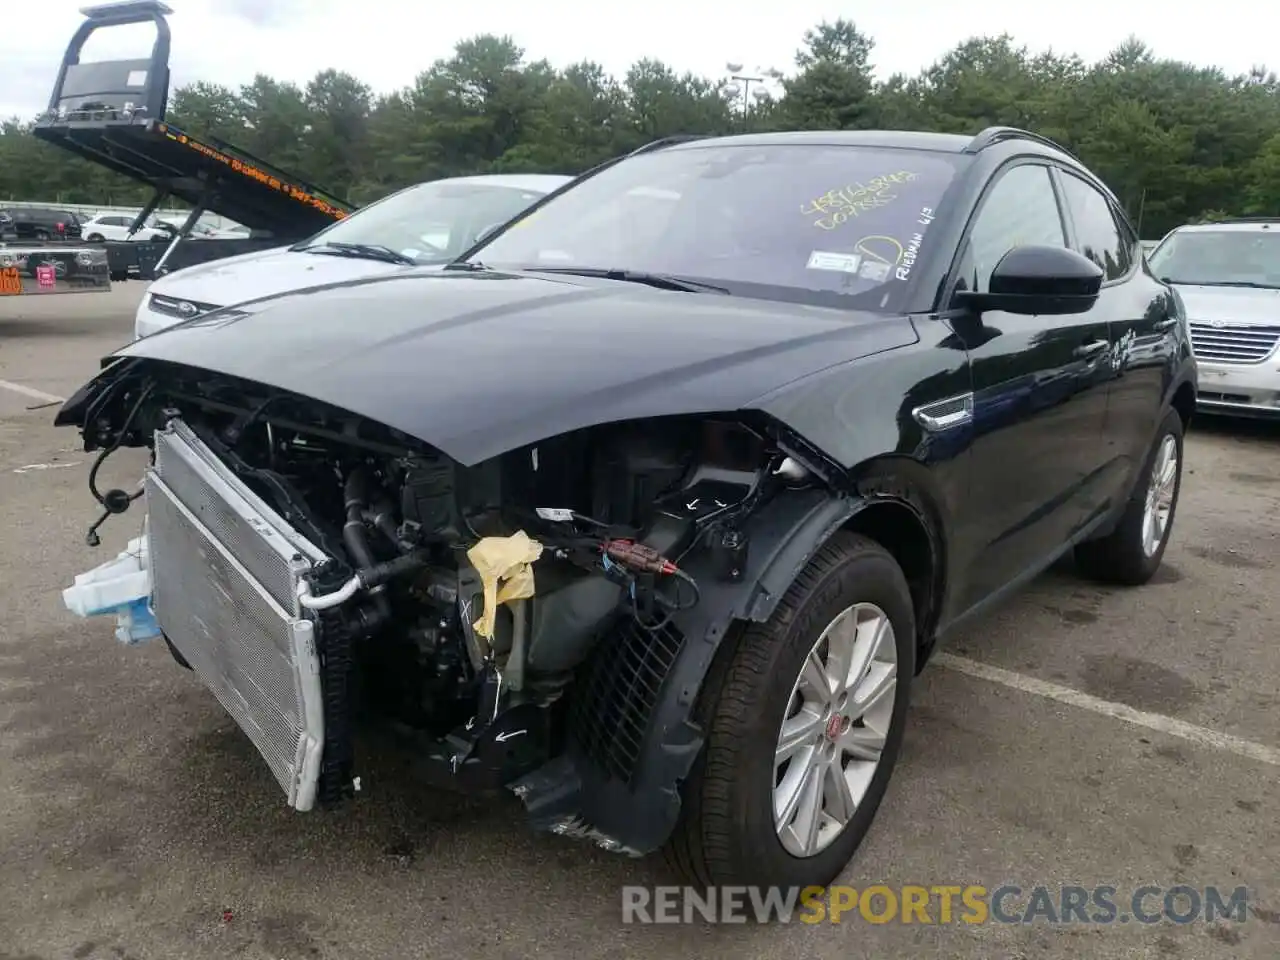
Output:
(740, 83)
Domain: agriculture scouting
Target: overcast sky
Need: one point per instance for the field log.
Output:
(387, 42)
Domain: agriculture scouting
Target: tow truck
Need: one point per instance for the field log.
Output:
(113, 113)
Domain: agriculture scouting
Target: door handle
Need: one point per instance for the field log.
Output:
(1092, 348)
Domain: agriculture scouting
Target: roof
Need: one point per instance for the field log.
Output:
(1242, 226)
(539, 182)
(900, 139)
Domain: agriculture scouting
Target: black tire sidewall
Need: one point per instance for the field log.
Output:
(868, 576)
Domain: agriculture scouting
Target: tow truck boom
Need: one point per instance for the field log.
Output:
(113, 114)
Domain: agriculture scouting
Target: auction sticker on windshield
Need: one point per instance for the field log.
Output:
(825, 260)
(10, 282)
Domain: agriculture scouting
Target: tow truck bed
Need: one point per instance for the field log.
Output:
(113, 114)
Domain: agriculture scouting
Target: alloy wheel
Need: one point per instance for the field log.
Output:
(1160, 492)
(836, 725)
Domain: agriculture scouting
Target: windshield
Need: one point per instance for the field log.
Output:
(836, 225)
(1249, 258)
(430, 223)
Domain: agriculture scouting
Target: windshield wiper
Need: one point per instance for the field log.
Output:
(663, 281)
(360, 251)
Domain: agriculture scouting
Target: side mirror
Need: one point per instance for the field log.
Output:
(1038, 281)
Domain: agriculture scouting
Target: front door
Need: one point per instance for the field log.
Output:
(1143, 318)
(1039, 404)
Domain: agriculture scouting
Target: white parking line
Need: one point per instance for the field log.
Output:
(44, 466)
(1119, 711)
(30, 391)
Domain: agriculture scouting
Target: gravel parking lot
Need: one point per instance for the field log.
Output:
(136, 821)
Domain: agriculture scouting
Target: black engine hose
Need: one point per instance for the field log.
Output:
(355, 534)
(382, 516)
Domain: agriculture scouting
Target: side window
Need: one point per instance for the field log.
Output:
(1021, 209)
(1099, 236)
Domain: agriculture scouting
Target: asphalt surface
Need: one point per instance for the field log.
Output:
(137, 822)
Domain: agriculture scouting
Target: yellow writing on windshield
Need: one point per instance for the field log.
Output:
(845, 203)
(881, 249)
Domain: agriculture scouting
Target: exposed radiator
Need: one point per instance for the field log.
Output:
(225, 570)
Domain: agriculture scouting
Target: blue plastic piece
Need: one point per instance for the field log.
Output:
(135, 623)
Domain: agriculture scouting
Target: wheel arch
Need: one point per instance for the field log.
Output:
(892, 500)
(1184, 402)
(904, 530)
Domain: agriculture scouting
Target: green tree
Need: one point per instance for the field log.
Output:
(1174, 141)
(835, 88)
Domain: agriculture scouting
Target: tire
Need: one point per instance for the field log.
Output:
(1126, 556)
(727, 832)
(94, 238)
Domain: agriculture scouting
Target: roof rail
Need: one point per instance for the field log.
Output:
(994, 135)
(1209, 223)
(667, 142)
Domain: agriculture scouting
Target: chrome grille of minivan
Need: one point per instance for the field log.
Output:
(1224, 342)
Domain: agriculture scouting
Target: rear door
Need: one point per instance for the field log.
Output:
(1040, 393)
(1143, 321)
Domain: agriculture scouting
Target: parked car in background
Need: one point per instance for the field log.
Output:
(115, 226)
(427, 224)
(1228, 276)
(651, 506)
(202, 230)
(39, 223)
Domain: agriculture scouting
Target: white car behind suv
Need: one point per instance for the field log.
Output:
(115, 226)
(1228, 275)
(427, 224)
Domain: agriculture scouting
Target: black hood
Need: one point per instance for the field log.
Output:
(478, 364)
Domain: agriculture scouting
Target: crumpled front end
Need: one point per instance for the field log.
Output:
(538, 621)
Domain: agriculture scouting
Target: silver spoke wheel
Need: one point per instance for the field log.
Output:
(835, 729)
(1160, 492)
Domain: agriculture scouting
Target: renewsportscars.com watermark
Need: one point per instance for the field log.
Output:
(939, 904)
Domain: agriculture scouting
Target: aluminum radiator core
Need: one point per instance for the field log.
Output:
(225, 571)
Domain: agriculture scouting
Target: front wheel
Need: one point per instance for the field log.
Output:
(804, 724)
(94, 238)
(1132, 553)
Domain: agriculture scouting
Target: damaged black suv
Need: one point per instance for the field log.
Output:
(649, 508)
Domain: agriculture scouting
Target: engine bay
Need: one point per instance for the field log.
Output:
(606, 517)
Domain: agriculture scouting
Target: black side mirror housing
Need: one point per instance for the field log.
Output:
(1038, 281)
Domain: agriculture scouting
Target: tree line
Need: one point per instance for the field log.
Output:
(1176, 142)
